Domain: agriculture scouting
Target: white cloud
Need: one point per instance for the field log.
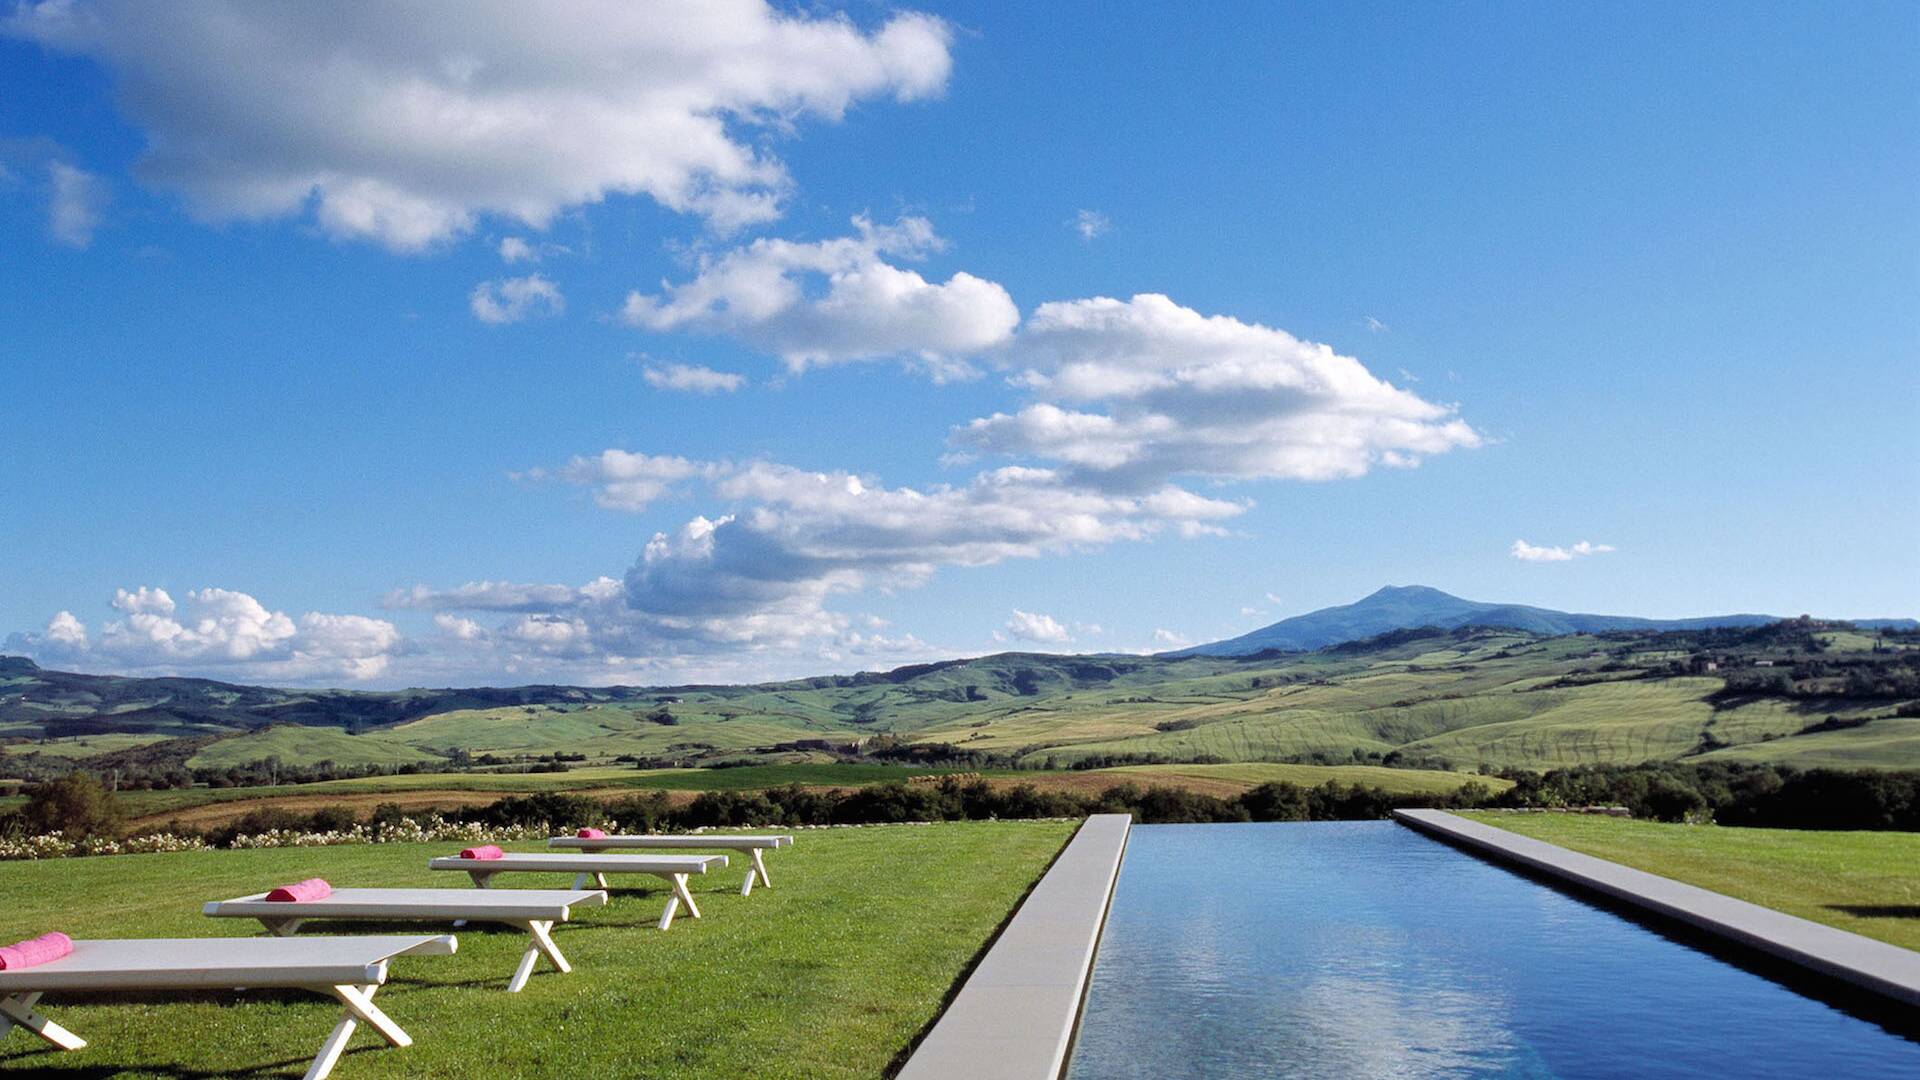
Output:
(693, 378)
(459, 628)
(514, 299)
(1274, 599)
(759, 578)
(404, 124)
(221, 631)
(144, 600)
(1526, 552)
(1192, 395)
(1376, 326)
(514, 249)
(78, 199)
(838, 300)
(626, 481)
(1090, 224)
(1036, 627)
(67, 631)
(1168, 639)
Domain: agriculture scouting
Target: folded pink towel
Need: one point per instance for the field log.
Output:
(33, 951)
(488, 851)
(310, 889)
(591, 834)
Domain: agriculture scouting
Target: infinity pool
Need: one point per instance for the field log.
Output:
(1364, 949)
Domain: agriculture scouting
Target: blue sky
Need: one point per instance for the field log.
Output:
(1002, 331)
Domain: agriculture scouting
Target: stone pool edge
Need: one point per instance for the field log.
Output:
(1876, 966)
(1015, 1017)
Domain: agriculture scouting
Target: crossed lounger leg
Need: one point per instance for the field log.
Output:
(17, 1010)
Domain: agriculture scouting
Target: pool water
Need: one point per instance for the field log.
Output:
(1364, 949)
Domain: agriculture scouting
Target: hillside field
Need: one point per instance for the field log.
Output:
(1457, 701)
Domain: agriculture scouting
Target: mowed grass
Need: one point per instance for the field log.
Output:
(828, 974)
(1866, 882)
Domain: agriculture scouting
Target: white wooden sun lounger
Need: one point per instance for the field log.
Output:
(349, 969)
(593, 868)
(752, 845)
(532, 910)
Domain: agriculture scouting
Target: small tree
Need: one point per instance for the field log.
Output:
(74, 805)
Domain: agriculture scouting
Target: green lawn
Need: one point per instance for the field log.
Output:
(1866, 882)
(829, 974)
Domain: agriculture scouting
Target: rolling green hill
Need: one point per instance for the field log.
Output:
(1794, 692)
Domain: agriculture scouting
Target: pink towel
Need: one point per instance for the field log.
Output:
(488, 851)
(591, 834)
(33, 951)
(310, 889)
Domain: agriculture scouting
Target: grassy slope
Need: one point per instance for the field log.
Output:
(827, 975)
(1865, 882)
(1395, 781)
(297, 745)
(1492, 698)
(1877, 744)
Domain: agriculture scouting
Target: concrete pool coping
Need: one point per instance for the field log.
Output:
(1876, 966)
(1015, 1016)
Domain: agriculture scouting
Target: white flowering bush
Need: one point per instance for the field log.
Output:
(48, 846)
(432, 829)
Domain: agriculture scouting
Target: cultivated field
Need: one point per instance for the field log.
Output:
(1461, 701)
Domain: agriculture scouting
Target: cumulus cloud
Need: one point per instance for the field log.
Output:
(459, 628)
(1090, 224)
(404, 124)
(1526, 552)
(834, 301)
(626, 481)
(221, 631)
(514, 249)
(75, 204)
(759, 578)
(66, 631)
(693, 379)
(514, 299)
(1169, 639)
(1185, 394)
(1036, 627)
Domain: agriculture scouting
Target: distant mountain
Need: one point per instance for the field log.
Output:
(1405, 607)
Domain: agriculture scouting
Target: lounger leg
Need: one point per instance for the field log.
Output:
(18, 1009)
(600, 880)
(680, 890)
(760, 867)
(542, 932)
(525, 971)
(281, 927)
(331, 1050)
(360, 1006)
(666, 917)
(540, 945)
(580, 880)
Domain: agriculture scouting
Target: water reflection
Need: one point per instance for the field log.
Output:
(1366, 950)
